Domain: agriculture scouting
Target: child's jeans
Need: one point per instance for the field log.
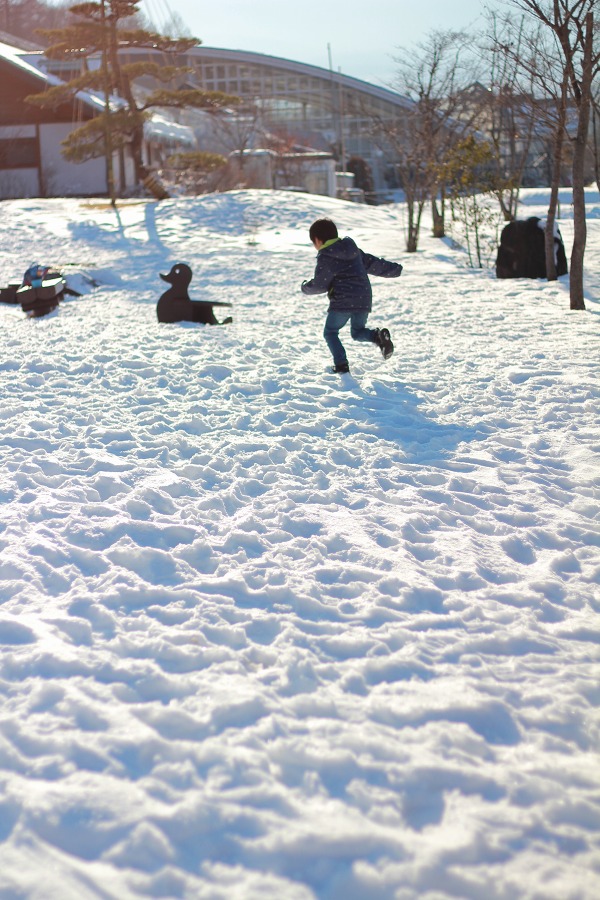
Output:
(336, 319)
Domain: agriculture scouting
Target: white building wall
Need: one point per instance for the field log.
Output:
(127, 176)
(62, 178)
(18, 183)
(21, 182)
(320, 178)
(17, 131)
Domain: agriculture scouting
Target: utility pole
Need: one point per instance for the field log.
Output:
(341, 115)
(337, 110)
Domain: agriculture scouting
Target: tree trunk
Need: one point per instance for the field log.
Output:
(580, 144)
(415, 212)
(508, 209)
(437, 214)
(412, 238)
(123, 88)
(596, 147)
(555, 184)
(412, 241)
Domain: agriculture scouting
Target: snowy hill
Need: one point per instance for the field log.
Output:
(269, 632)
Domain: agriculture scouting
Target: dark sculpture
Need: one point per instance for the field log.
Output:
(40, 299)
(175, 304)
(8, 294)
(40, 291)
(522, 253)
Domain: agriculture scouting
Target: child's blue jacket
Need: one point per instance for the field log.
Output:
(342, 272)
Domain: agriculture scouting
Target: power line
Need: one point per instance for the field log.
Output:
(160, 13)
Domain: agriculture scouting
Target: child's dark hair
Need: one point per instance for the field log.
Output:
(323, 229)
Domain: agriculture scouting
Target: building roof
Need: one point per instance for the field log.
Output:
(338, 78)
(14, 56)
(157, 126)
(14, 41)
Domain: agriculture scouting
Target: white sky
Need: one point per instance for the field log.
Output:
(364, 36)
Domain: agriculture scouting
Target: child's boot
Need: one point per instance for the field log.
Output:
(384, 342)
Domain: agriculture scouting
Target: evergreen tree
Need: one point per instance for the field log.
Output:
(105, 29)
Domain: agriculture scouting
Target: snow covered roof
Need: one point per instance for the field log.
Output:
(14, 40)
(157, 127)
(15, 56)
(23, 61)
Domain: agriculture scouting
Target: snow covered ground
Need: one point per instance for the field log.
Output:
(271, 633)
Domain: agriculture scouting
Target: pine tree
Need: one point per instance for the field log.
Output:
(106, 29)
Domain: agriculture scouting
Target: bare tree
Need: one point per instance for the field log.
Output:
(536, 57)
(557, 157)
(571, 23)
(238, 130)
(22, 18)
(434, 80)
(509, 116)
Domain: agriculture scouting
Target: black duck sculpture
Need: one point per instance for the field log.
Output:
(175, 304)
